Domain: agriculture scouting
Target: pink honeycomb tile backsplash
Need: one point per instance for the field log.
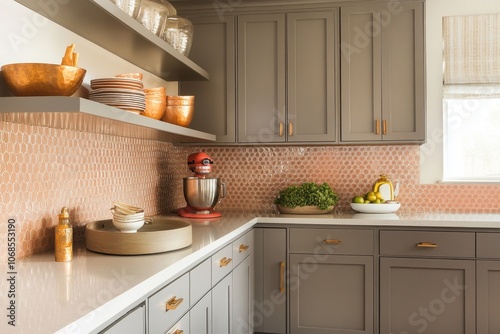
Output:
(44, 169)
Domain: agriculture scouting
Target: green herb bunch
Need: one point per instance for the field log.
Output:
(308, 193)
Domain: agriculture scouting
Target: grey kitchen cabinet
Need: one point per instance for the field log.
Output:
(200, 316)
(331, 281)
(488, 296)
(382, 73)
(286, 69)
(243, 282)
(270, 305)
(222, 303)
(427, 282)
(261, 95)
(243, 297)
(215, 100)
(134, 322)
(232, 296)
(488, 283)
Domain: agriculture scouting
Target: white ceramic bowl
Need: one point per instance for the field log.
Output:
(375, 208)
(128, 227)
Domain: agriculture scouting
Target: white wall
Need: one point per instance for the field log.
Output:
(26, 36)
(431, 153)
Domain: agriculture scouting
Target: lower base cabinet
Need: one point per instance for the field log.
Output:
(331, 294)
(270, 303)
(243, 297)
(222, 303)
(200, 321)
(431, 296)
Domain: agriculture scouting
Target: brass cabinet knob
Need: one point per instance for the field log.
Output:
(173, 303)
(243, 248)
(225, 261)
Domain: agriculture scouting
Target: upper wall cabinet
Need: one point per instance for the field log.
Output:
(382, 73)
(214, 49)
(286, 77)
(103, 23)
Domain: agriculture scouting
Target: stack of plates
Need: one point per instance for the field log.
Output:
(123, 93)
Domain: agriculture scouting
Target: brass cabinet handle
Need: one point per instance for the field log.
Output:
(243, 248)
(377, 127)
(384, 127)
(282, 277)
(427, 244)
(225, 261)
(178, 331)
(290, 129)
(281, 129)
(332, 241)
(173, 303)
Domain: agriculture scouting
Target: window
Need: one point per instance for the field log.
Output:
(471, 98)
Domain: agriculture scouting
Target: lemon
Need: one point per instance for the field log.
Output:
(367, 201)
(371, 196)
(378, 195)
(377, 201)
(358, 199)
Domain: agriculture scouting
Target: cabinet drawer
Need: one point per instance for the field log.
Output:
(427, 243)
(488, 245)
(181, 327)
(200, 281)
(222, 263)
(168, 305)
(331, 241)
(242, 248)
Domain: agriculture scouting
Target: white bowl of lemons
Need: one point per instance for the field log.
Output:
(372, 202)
(376, 208)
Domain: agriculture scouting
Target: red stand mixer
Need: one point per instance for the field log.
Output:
(201, 192)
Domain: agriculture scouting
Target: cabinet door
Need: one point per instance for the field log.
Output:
(382, 72)
(215, 100)
(361, 74)
(432, 296)
(311, 68)
(270, 285)
(331, 294)
(243, 297)
(201, 316)
(133, 322)
(488, 297)
(222, 303)
(261, 78)
(403, 108)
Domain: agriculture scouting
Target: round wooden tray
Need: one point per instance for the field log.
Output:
(162, 235)
(304, 210)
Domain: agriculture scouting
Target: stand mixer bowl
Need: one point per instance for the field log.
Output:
(202, 194)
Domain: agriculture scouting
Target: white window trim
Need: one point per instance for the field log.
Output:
(431, 153)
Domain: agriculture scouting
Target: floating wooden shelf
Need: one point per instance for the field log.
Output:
(80, 114)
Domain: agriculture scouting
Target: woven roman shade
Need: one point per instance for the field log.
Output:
(471, 55)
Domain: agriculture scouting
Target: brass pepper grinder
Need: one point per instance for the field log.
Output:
(64, 238)
(385, 187)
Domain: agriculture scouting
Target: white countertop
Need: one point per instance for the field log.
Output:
(82, 295)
